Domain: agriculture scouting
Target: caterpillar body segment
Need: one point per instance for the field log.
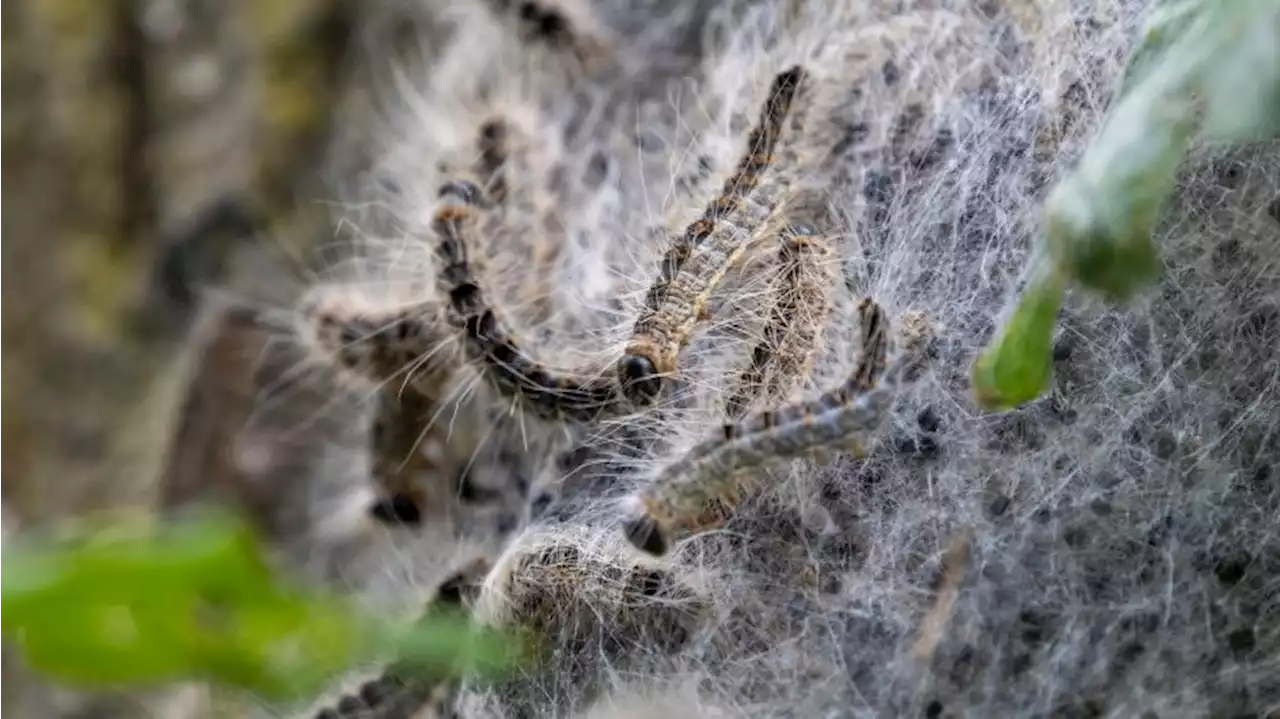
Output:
(703, 487)
(715, 477)
(549, 394)
(396, 693)
(874, 344)
(784, 357)
(698, 259)
(400, 345)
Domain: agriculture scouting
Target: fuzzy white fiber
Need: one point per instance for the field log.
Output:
(1110, 550)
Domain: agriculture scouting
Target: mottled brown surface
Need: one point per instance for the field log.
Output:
(147, 146)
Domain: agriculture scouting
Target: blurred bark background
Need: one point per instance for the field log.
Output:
(152, 148)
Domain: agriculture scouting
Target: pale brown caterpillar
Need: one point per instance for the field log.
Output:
(702, 488)
(690, 272)
(697, 260)
(801, 307)
(549, 394)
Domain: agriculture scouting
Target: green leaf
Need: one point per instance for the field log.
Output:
(286, 648)
(140, 604)
(445, 644)
(26, 578)
(1165, 24)
(1019, 365)
(1203, 69)
(1241, 78)
(1100, 218)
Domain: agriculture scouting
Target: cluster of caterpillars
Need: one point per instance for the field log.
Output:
(399, 349)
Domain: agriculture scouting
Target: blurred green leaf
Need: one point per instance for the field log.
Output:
(1165, 24)
(143, 604)
(1101, 216)
(105, 645)
(1207, 68)
(1241, 77)
(445, 645)
(1203, 69)
(1019, 365)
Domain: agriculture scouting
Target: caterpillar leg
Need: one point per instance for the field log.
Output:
(697, 260)
(801, 307)
(708, 482)
(488, 341)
